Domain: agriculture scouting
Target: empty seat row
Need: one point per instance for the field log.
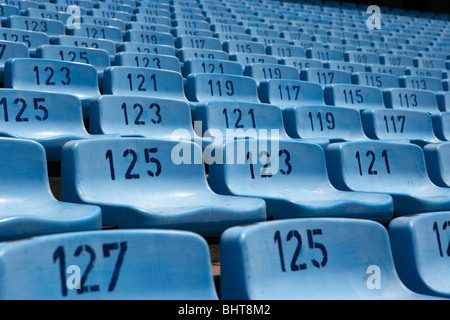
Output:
(142, 183)
(310, 259)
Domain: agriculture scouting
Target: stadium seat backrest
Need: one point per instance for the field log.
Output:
(138, 264)
(309, 259)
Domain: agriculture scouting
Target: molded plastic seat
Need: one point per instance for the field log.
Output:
(240, 46)
(32, 39)
(324, 54)
(325, 76)
(285, 93)
(185, 54)
(47, 26)
(331, 259)
(386, 124)
(9, 10)
(28, 207)
(397, 71)
(378, 80)
(197, 42)
(85, 42)
(211, 66)
(245, 59)
(396, 60)
(51, 119)
(395, 168)
(143, 183)
(420, 249)
(98, 32)
(141, 116)
(10, 49)
(124, 264)
(441, 125)
(285, 51)
(148, 60)
(421, 83)
(137, 81)
(149, 37)
(354, 96)
(47, 75)
(203, 87)
(97, 57)
(345, 66)
(220, 121)
(291, 176)
(266, 71)
(438, 167)
(301, 63)
(410, 99)
(338, 124)
(147, 48)
(362, 57)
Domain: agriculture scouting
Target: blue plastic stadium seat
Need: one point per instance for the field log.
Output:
(420, 249)
(354, 96)
(325, 76)
(99, 58)
(225, 36)
(345, 66)
(410, 99)
(203, 87)
(97, 32)
(239, 46)
(397, 71)
(323, 259)
(245, 59)
(141, 116)
(387, 167)
(337, 124)
(143, 26)
(47, 26)
(285, 93)
(285, 51)
(32, 39)
(147, 48)
(387, 124)
(266, 71)
(93, 20)
(10, 49)
(144, 183)
(220, 121)
(324, 54)
(301, 63)
(8, 10)
(189, 53)
(47, 75)
(148, 60)
(362, 57)
(378, 80)
(137, 81)
(51, 119)
(430, 63)
(191, 24)
(28, 207)
(85, 42)
(441, 125)
(121, 15)
(120, 264)
(280, 172)
(196, 42)
(422, 72)
(193, 66)
(421, 83)
(438, 168)
(396, 60)
(149, 37)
